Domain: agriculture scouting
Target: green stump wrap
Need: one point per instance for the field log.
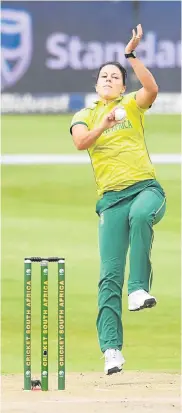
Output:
(44, 325)
(27, 324)
(61, 324)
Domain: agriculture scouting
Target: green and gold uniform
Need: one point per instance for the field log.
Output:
(130, 202)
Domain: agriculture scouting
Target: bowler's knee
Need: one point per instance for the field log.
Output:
(111, 273)
(139, 216)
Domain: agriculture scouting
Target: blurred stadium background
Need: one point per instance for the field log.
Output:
(50, 54)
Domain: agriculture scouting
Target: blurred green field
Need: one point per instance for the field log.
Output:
(50, 210)
(50, 134)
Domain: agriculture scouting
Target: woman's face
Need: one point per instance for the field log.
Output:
(110, 83)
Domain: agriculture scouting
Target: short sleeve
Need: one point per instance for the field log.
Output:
(131, 101)
(81, 117)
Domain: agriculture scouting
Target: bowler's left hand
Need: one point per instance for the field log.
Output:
(135, 40)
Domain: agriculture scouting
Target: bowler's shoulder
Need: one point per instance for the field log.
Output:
(84, 116)
(87, 110)
(82, 113)
(129, 97)
(130, 101)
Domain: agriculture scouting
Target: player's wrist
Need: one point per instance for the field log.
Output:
(102, 128)
(130, 54)
(128, 51)
(98, 131)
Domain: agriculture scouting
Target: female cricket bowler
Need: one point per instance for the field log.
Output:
(130, 201)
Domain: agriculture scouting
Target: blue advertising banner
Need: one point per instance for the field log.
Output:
(57, 47)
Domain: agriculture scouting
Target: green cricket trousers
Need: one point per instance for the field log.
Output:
(127, 223)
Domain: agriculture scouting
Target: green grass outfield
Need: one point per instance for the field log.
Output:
(50, 210)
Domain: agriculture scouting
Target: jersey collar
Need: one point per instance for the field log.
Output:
(119, 99)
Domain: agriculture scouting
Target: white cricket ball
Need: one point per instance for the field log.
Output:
(120, 113)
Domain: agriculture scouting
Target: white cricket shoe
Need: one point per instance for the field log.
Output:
(140, 299)
(113, 361)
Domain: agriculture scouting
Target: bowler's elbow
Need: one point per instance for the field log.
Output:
(153, 94)
(80, 146)
(78, 142)
(155, 90)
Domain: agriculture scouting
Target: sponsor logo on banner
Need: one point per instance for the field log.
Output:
(66, 51)
(16, 45)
